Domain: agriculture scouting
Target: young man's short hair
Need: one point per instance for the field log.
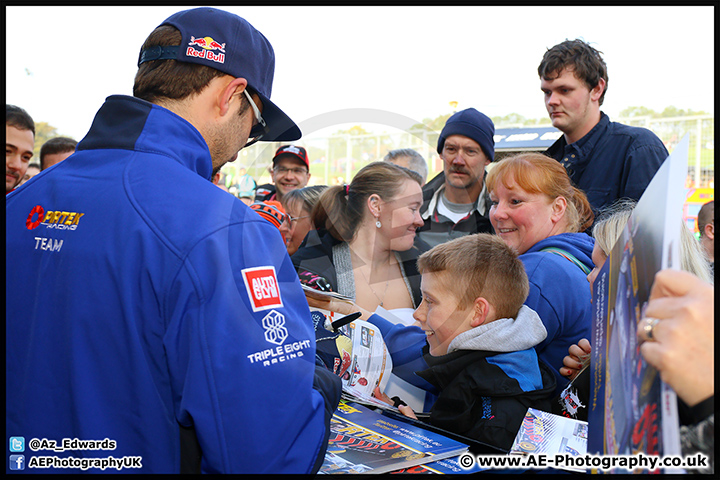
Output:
(56, 145)
(705, 216)
(578, 56)
(18, 118)
(480, 265)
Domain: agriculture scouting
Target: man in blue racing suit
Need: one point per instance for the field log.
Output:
(154, 322)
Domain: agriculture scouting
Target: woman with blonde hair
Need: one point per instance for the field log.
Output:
(610, 224)
(536, 210)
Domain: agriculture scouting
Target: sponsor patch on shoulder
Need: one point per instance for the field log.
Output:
(262, 288)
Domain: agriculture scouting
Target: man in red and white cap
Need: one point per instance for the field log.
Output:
(290, 170)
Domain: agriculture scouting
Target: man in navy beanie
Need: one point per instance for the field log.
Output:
(156, 316)
(456, 202)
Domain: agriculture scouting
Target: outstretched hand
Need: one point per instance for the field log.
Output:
(337, 305)
(404, 409)
(682, 346)
(577, 358)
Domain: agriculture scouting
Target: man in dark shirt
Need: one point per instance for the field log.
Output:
(607, 160)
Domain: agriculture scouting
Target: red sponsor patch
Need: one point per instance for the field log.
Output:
(262, 287)
(30, 223)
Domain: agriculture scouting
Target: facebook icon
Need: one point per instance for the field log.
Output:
(17, 462)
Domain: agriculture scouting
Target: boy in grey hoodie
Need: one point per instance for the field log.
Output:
(474, 346)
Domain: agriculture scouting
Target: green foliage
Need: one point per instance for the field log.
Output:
(436, 124)
(669, 112)
(432, 125)
(679, 112)
(511, 119)
(630, 112)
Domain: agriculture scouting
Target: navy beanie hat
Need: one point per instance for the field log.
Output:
(474, 125)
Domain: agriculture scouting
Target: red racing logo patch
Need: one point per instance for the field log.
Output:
(40, 211)
(262, 287)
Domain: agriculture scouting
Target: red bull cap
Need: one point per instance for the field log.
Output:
(228, 43)
(293, 150)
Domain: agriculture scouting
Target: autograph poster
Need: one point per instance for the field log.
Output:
(365, 441)
(543, 432)
(631, 410)
(371, 362)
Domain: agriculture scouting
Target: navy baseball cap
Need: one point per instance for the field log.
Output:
(228, 43)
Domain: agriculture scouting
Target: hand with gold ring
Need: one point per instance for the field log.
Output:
(679, 334)
(646, 333)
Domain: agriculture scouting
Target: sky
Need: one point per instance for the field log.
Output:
(374, 66)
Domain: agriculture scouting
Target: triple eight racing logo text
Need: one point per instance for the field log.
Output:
(275, 332)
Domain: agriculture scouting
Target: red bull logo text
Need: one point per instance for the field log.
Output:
(208, 47)
(57, 219)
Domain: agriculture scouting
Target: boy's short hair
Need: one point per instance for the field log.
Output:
(480, 265)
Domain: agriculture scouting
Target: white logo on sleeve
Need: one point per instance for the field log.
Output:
(274, 325)
(276, 333)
